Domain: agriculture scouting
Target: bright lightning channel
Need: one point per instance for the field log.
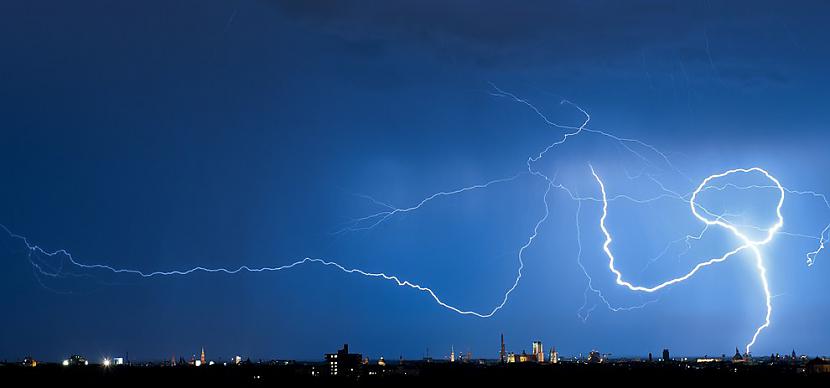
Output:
(633, 146)
(748, 243)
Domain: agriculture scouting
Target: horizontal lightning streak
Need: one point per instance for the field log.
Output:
(245, 268)
(633, 146)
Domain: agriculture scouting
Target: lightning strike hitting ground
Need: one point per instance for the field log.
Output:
(635, 147)
(748, 243)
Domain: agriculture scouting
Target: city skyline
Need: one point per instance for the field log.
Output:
(506, 354)
(347, 366)
(275, 179)
(200, 357)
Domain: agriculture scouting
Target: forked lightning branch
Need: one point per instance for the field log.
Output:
(40, 257)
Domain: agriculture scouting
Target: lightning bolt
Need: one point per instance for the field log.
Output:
(748, 243)
(35, 249)
(637, 148)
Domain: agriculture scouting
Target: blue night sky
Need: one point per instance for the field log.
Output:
(165, 135)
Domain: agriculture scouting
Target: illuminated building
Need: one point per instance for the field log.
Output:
(343, 363)
(75, 360)
(594, 357)
(452, 353)
(202, 357)
(666, 356)
(502, 353)
(554, 356)
(818, 365)
(738, 358)
(538, 352)
(520, 358)
(28, 361)
(382, 362)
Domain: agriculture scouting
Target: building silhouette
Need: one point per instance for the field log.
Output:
(343, 363)
(75, 360)
(28, 361)
(738, 358)
(666, 356)
(502, 352)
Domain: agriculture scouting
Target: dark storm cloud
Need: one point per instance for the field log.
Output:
(710, 38)
(499, 32)
(161, 135)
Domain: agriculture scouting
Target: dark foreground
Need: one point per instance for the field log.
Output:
(407, 375)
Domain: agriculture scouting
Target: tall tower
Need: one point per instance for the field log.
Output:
(202, 357)
(502, 352)
(538, 353)
(452, 353)
(554, 356)
(666, 357)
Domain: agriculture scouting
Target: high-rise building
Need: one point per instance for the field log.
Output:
(452, 353)
(202, 357)
(666, 356)
(502, 353)
(538, 352)
(343, 363)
